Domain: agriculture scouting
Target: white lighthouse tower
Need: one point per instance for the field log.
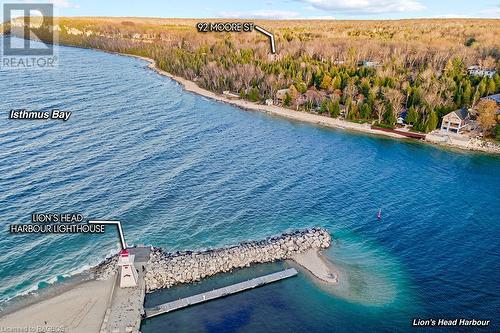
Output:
(128, 274)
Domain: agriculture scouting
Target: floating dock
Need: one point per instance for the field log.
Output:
(221, 292)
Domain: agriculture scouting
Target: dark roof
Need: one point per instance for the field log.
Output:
(495, 98)
(462, 113)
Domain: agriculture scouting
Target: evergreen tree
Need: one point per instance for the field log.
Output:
(325, 83)
(253, 95)
(481, 88)
(334, 109)
(432, 122)
(336, 82)
(365, 87)
(389, 117)
(301, 87)
(496, 78)
(467, 95)
(491, 88)
(412, 117)
(365, 111)
(287, 101)
(324, 107)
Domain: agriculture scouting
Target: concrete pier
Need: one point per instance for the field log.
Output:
(221, 292)
(126, 305)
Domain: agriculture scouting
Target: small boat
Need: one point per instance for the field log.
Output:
(379, 214)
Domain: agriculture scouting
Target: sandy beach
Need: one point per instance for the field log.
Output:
(317, 266)
(301, 115)
(269, 109)
(80, 309)
(99, 304)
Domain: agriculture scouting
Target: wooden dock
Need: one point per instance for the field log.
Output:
(221, 292)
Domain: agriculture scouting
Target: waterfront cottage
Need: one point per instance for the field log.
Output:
(402, 118)
(370, 64)
(479, 71)
(313, 96)
(281, 94)
(456, 121)
(495, 98)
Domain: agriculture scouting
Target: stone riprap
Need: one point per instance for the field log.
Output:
(166, 269)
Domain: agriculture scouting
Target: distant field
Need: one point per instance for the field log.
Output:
(470, 39)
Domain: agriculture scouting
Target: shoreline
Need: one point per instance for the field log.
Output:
(300, 116)
(77, 307)
(82, 304)
(318, 266)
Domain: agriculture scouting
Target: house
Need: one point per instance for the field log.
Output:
(313, 96)
(281, 94)
(480, 71)
(370, 64)
(494, 98)
(402, 118)
(269, 102)
(343, 111)
(74, 31)
(230, 95)
(456, 121)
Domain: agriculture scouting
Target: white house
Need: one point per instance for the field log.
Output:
(479, 71)
(402, 118)
(370, 64)
(456, 121)
(281, 94)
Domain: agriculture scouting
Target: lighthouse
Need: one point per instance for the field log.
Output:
(128, 274)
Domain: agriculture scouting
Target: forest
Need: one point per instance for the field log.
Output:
(365, 71)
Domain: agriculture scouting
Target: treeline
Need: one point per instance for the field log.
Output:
(417, 67)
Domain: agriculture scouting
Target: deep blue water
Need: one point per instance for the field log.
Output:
(184, 172)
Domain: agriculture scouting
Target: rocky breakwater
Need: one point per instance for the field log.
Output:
(166, 269)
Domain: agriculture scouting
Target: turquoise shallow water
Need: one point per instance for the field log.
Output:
(184, 172)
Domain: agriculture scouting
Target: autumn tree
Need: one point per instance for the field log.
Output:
(395, 98)
(380, 109)
(325, 83)
(294, 94)
(350, 90)
(487, 110)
